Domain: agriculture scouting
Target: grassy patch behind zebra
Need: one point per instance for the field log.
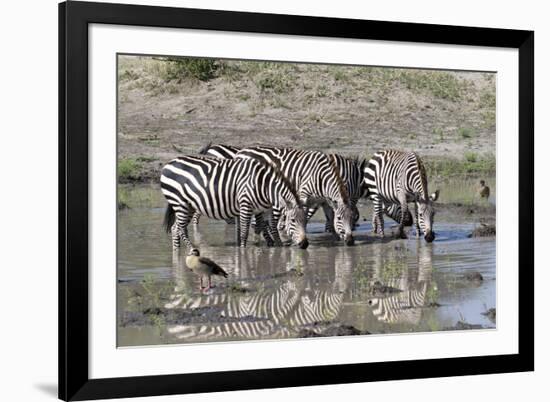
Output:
(171, 106)
(470, 165)
(159, 74)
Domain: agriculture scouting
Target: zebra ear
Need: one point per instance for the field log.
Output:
(434, 196)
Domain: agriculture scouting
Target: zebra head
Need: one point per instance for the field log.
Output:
(426, 214)
(344, 220)
(293, 222)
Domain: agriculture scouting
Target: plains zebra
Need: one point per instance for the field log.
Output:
(351, 171)
(316, 179)
(225, 188)
(396, 177)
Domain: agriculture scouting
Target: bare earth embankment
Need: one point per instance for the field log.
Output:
(169, 108)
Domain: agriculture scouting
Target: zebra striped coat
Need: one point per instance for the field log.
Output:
(396, 177)
(350, 169)
(221, 189)
(316, 179)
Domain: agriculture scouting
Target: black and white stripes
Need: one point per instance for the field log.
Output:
(396, 177)
(316, 179)
(222, 189)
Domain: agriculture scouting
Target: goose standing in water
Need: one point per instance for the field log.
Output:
(483, 190)
(203, 266)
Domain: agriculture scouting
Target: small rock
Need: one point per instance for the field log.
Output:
(461, 325)
(122, 205)
(308, 333)
(484, 231)
(491, 314)
(338, 330)
(473, 276)
(153, 311)
(343, 330)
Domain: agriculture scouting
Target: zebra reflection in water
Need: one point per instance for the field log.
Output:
(264, 300)
(403, 307)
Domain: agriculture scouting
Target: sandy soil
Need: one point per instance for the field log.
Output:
(350, 110)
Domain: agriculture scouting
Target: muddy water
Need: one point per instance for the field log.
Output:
(377, 286)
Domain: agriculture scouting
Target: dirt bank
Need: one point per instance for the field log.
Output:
(447, 117)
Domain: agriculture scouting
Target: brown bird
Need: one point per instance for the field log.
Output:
(484, 191)
(203, 266)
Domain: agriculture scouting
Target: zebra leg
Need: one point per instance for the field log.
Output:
(310, 212)
(273, 227)
(329, 216)
(262, 226)
(404, 210)
(245, 217)
(416, 223)
(238, 230)
(356, 214)
(179, 229)
(196, 218)
(378, 217)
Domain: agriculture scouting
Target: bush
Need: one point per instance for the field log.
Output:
(465, 132)
(182, 68)
(470, 157)
(440, 84)
(129, 169)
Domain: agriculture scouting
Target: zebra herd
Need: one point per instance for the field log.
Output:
(281, 188)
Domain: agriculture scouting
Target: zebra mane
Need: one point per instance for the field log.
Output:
(205, 148)
(357, 160)
(423, 178)
(343, 190)
(278, 175)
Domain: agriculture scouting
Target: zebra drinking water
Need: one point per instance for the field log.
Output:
(396, 177)
(316, 179)
(225, 188)
(351, 171)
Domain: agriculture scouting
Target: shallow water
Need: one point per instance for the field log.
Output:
(377, 285)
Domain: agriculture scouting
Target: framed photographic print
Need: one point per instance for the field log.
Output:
(258, 200)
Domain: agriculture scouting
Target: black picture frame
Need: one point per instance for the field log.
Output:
(74, 18)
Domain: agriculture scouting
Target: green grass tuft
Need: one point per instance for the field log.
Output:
(471, 164)
(465, 133)
(129, 169)
(178, 69)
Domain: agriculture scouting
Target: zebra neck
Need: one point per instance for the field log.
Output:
(278, 192)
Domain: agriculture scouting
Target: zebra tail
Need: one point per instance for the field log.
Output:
(169, 218)
(205, 149)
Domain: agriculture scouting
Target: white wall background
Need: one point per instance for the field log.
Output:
(28, 197)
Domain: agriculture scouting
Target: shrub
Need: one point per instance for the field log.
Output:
(128, 168)
(194, 68)
(465, 132)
